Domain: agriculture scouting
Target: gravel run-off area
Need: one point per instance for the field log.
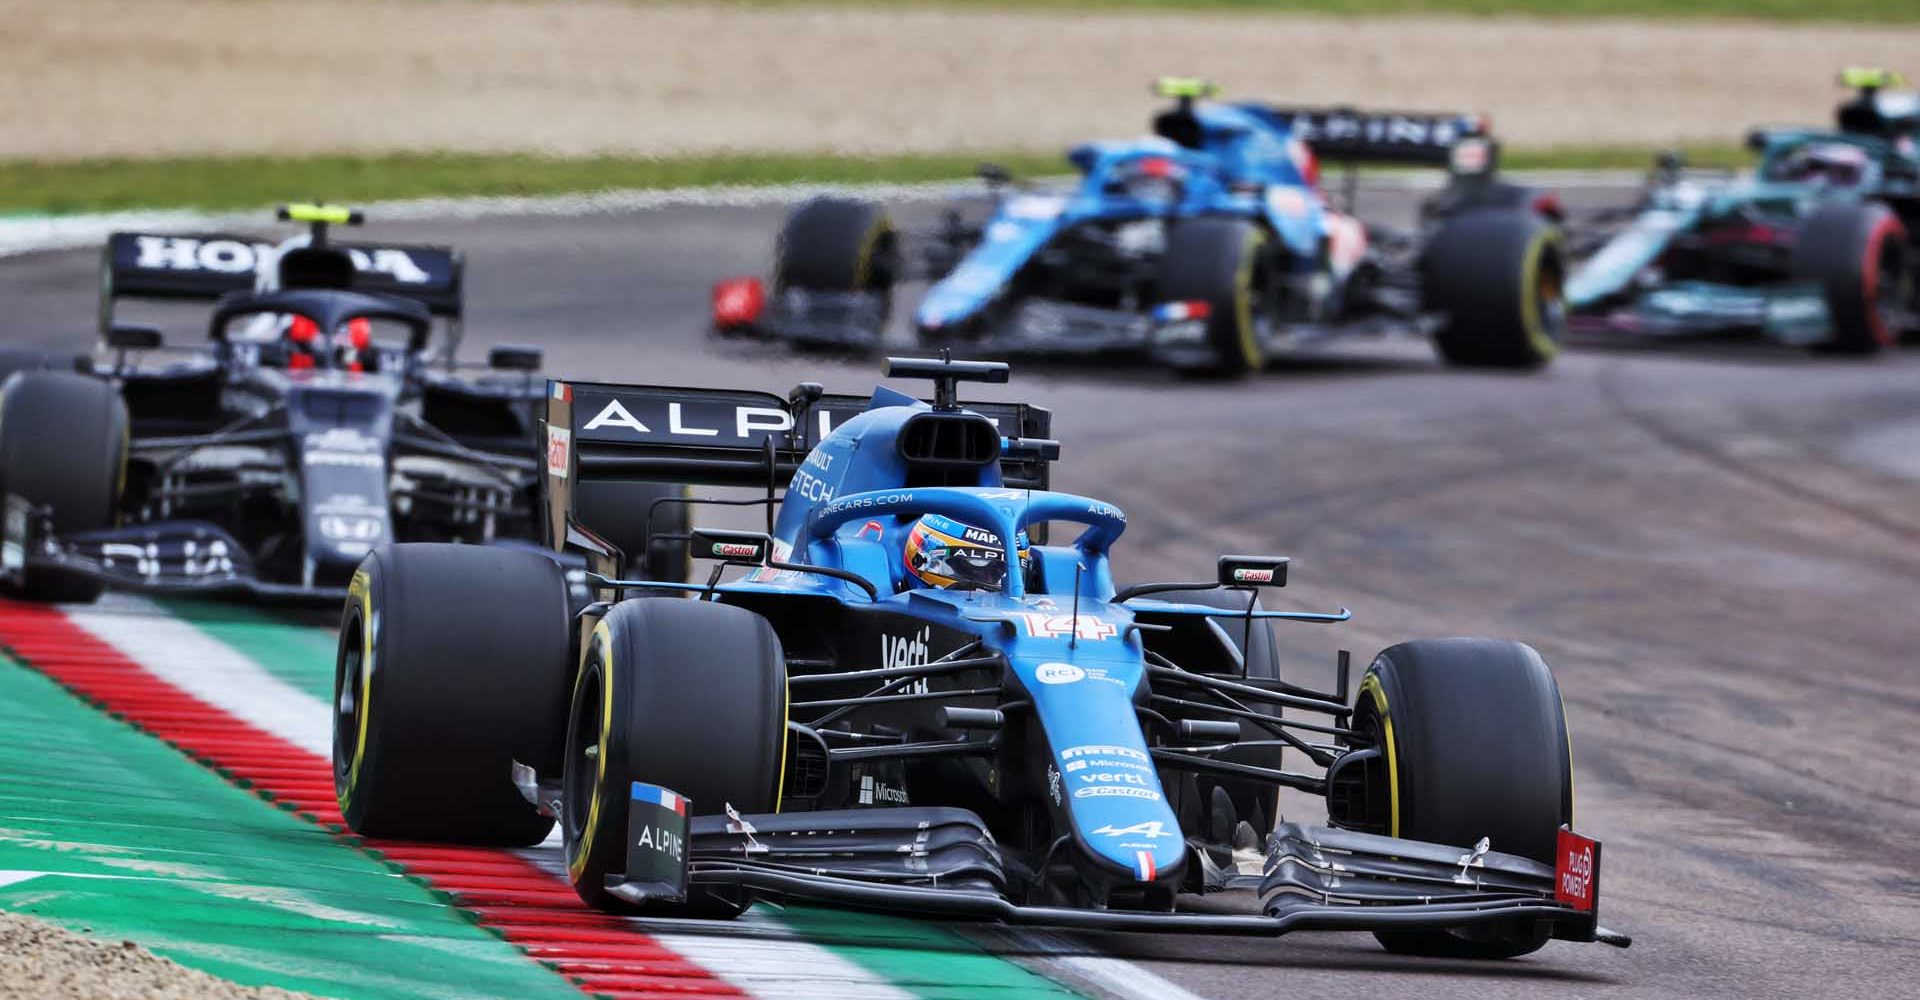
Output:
(83, 78)
(42, 961)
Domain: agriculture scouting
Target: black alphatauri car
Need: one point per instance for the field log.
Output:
(319, 422)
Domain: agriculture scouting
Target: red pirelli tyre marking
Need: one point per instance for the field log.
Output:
(536, 911)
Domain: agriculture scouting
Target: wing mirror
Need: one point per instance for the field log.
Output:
(1253, 571)
(515, 357)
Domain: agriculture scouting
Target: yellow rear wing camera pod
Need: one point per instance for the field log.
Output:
(1191, 88)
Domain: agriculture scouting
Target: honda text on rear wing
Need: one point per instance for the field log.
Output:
(206, 266)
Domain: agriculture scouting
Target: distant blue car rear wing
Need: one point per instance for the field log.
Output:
(1414, 138)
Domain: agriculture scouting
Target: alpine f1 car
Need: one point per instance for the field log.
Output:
(1208, 247)
(912, 701)
(1816, 249)
(320, 422)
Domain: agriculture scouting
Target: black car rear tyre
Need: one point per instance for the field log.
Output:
(687, 695)
(1495, 277)
(453, 663)
(1476, 744)
(1222, 262)
(1858, 253)
(63, 445)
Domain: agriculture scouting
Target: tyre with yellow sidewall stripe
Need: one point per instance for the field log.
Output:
(837, 245)
(1475, 741)
(687, 695)
(1494, 275)
(453, 663)
(1224, 263)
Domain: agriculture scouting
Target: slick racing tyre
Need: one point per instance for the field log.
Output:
(1494, 275)
(63, 446)
(1254, 803)
(453, 664)
(624, 514)
(1857, 252)
(837, 245)
(1222, 262)
(1476, 745)
(687, 695)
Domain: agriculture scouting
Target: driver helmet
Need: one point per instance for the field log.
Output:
(1835, 163)
(942, 552)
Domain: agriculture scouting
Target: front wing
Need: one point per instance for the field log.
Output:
(942, 863)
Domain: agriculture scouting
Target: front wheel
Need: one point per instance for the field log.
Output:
(1224, 264)
(1494, 275)
(63, 447)
(1475, 741)
(1857, 253)
(687, 695)
(452, 665)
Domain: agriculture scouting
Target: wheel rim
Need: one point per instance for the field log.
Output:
(581, 772)
(347, 704)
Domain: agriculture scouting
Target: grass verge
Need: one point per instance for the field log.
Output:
(35, 188)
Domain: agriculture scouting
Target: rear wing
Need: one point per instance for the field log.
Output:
(1402, 137)
(603, 432)
(205, 266)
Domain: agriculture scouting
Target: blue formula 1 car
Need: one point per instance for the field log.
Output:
(1208, 246)
(913, 701)
(1819, 247)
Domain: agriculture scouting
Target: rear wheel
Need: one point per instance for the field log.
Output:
(1476, 746)
(688, 695)
(1223, 263)
(1495, 275)
(63, 446)
(453, 664)
(1858, 253)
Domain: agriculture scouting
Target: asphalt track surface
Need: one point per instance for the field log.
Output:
(1717, 548)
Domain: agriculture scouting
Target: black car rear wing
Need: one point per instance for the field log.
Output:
(603, 432)
(206, 266)
(1410, 138)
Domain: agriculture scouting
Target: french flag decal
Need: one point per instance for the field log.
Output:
(562, 391)
(660, 796)
(1143, 865)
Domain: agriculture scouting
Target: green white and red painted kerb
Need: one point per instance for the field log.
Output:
(157, 821)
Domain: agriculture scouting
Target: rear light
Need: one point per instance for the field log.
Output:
(1156, 166)
(300, 362)
(738, 302)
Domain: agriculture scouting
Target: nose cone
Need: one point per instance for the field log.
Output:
(1102, 777)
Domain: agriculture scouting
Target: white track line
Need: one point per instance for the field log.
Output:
(1116, 976)
(182, 655)
(66, 232)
